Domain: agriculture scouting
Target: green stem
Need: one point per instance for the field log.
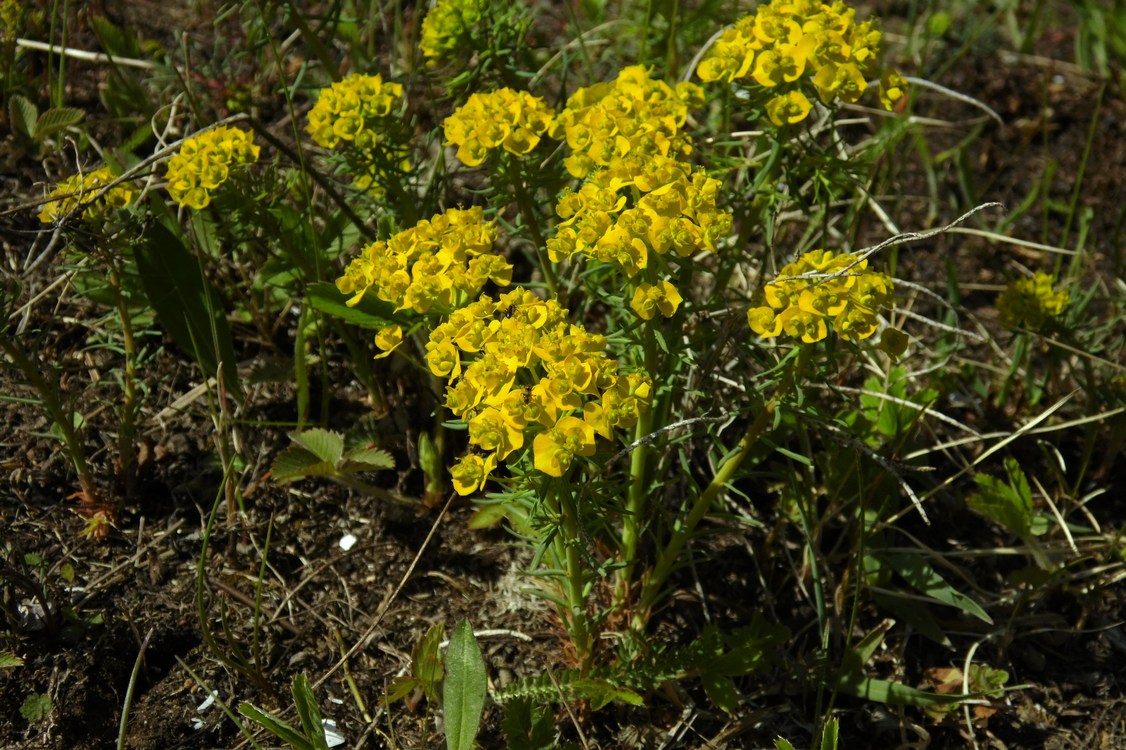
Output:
(127, 429)
(684, 528)
(63, 418)
(519, 190)
(575, 589)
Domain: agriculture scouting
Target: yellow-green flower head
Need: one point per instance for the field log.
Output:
(205, 161)
(81, 191)
(648, 300)
(818, 290)
(519, 372)
(675, 212)
(790, 45)
(353, 110)
(630, 117)
(448, 28)
(512, 120)
(1031, 301)
(440, 264)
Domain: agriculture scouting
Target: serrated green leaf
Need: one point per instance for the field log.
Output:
(830, 735)
(464, 689)
(371, 312)
(326, 445)
(371, 459)
(309, 712)
(527, 728)
(9, 660)
(1008, 505)
(283, 731)
(36, 707)
(56, 119)
(601, 692)
(186, 304)
(926, 580)
(23, 115)
(295, 463)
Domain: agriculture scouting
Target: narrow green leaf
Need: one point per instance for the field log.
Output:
(275, 726)
(23, 115)
(426, 661)
(371, 312)
(186, 304)
(400, 688)
(925, 579)
(830, 735)
(896, 693)
(463, 693)
(326, 445)
(782, 744)
(856, 657)
(309, 712)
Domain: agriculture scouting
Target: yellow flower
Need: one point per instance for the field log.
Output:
(556, 448)
(353, 110)
(789, 108)
(204, 162)
(648, 300)
(1031, 301)
(893, 87)
(513, 120)
(819, 289)
(388, 339)
(449, 26)
(471, 472)
(80, 190)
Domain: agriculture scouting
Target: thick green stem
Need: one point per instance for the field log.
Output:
(62, 417)
(684, 528)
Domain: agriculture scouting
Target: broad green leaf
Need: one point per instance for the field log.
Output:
(781, 744)
(186, 304)
(275, 726)
(464, 689)
(295, 463)
(426, 661)
(326, 445)
(56, 119)
(370, 458)
(36, 707)
(400, 688)
(370, 312)
(721, 691)
(925, 579)
(23, 115)
(309, 712)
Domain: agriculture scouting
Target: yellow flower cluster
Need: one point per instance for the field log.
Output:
(516, 368)
(632, 115)
(788, 44)
(820, 288)
(353, 110)
(79, 190)
(512, 120)
(448, 26)
(676, 211)
(204, 162)
(1030, 301)
(440, 263)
